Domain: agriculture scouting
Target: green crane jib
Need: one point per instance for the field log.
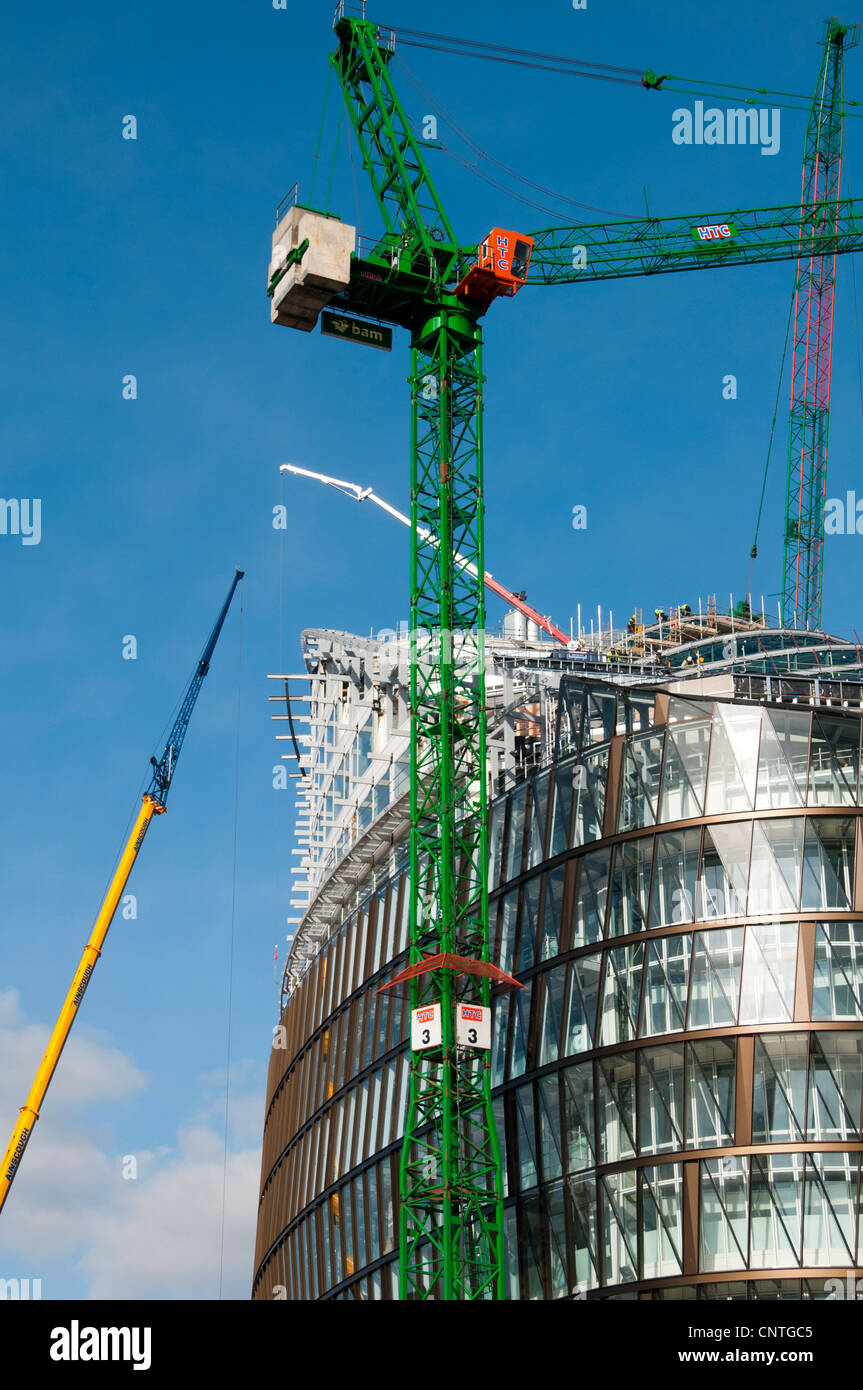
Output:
(419, 277)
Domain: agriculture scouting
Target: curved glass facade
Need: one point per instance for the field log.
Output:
(679, 1086)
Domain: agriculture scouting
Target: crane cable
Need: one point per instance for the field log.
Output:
(231, 947)
(575, 67)
(483, 154)
(320, 133)
(753, 554)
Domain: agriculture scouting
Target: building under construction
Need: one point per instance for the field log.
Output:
(573, 1004)
(676, 883)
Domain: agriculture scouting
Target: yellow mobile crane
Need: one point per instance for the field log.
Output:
(153, 804)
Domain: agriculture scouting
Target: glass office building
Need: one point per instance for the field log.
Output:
(676, 876)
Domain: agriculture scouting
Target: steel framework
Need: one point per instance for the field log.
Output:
(803, 556)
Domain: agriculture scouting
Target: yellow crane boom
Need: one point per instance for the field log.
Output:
(153, 804)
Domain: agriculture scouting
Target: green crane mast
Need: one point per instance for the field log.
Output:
(417, 276)
(451, 1213)
(803, 554)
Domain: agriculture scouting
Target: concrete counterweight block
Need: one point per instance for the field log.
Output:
(311, 279)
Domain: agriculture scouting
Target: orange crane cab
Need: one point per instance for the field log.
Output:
(500, 268)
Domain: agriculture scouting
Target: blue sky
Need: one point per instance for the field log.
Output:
(149, 257)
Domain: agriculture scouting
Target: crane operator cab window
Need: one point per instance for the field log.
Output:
(520, 260)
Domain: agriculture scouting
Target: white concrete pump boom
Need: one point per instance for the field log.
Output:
(363, 494)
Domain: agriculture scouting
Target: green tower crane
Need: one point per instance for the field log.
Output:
(418, 277)
(803, 555)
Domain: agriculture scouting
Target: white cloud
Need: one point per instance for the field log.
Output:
(162, 1239)
(72, 1217)
(90, 1070)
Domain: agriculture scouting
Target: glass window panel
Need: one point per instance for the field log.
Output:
(834, 761)
(775, 1290)
(640, 710)
(404, 1089)
(660, 1099)
(662, 1220)
(736, 1290)
(619, 1214)
(599, 724)
(639, 791)
(360, 1221)
(552, 1014)
(828, 862)
(374, 1232)
(672, 896)
(710, 1082)
(522, 1100)
(578, 1123)
(557, 1243)
(520, 1022)
(570, 711)
(835, 1086)
(685, 771)
(517, 806)
(630, 886)
(838, 975)
(589, 783)
(552, 913)
(682, 708)
(500, 1018)
(774, 871)
(591, 897)
(663, 1008)
(498, 1106)
(583, 995)
(529, 921)
(723, 1215)
(581, 1198)
(561, 806)
(776, 1200)
(619, 1015)
(390, 1075)
(769, 970)
(508, 919)
(733, 758)
(782, 760)
(615, 1079)
(724, 871)
(830, 1200)
(715, 987)
(511, 1241)
(495, 842)
(404, 933)
(550, 1130)
(536, 839)
(779, 1088)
